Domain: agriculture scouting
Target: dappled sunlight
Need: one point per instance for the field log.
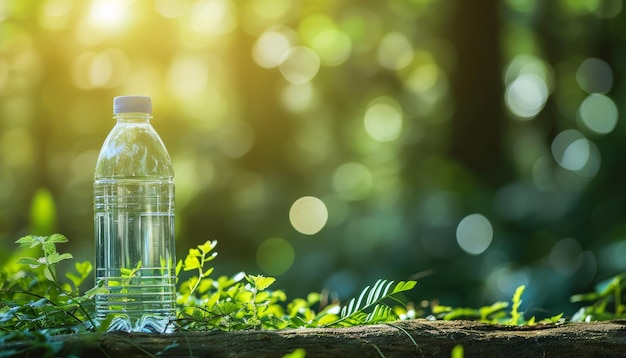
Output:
(109, 14)
(422, 144)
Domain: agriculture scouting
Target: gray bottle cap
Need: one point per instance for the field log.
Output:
(132, 104)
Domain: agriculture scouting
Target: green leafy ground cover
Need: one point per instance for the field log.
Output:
(37, 304)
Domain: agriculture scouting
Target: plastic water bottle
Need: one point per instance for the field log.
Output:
(134, 224)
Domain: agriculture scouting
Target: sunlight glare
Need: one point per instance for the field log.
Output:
(109, 13)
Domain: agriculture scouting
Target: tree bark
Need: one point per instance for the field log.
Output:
(413, 338)
(478, 123)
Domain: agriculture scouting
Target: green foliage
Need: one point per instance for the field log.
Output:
(298, 353)
(495, 313)
(36, 304)
(457, 352)
(33, 299)
(607, 301)
(370, 300)
(246, 301)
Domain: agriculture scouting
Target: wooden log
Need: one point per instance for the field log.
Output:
(413, 338)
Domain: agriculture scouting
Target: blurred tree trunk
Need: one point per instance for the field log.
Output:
(478, 123)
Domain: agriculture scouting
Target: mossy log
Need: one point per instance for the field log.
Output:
(413, 338)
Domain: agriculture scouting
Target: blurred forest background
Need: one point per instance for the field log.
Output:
(474, 145)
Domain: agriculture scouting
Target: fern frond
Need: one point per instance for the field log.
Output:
(370, 300)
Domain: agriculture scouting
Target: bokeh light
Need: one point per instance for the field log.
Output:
(105, 69)
(564, 256)
(323, 36)
(598, 113)
(594, 76)
(526, 95)
(574, 152)
(55, 14)
(474, 234)
(275, 256)
(298, 98)
(353, 181)
(299, 65)
(383, 119)
(395, 51)
(308, 215)
(188, 76)
(212, 17)
(271, 46)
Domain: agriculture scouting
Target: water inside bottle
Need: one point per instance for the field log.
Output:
(135, 253)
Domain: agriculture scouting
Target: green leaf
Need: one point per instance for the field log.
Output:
(194, 253)
(404, 286)
(49, 273)
(56, 257)
(207, 246)
(27, 241)
(32, 262)
(191, 263)
(457, 352)
(179, 266)
(83, 268)
(261, 282)
(370, 298)
(298, 353)
(56, 239)
(516, 316)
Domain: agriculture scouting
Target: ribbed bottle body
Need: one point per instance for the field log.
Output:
(134, 229)
(135, 253)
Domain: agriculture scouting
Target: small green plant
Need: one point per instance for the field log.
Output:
(246, 302)
(457, 352)
(607, 301)
(495, 313)
(36, 304)
(33, 298)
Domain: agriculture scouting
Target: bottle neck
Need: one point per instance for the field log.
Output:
(133, 117)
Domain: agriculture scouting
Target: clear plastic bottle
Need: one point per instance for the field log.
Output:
(134, 224)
